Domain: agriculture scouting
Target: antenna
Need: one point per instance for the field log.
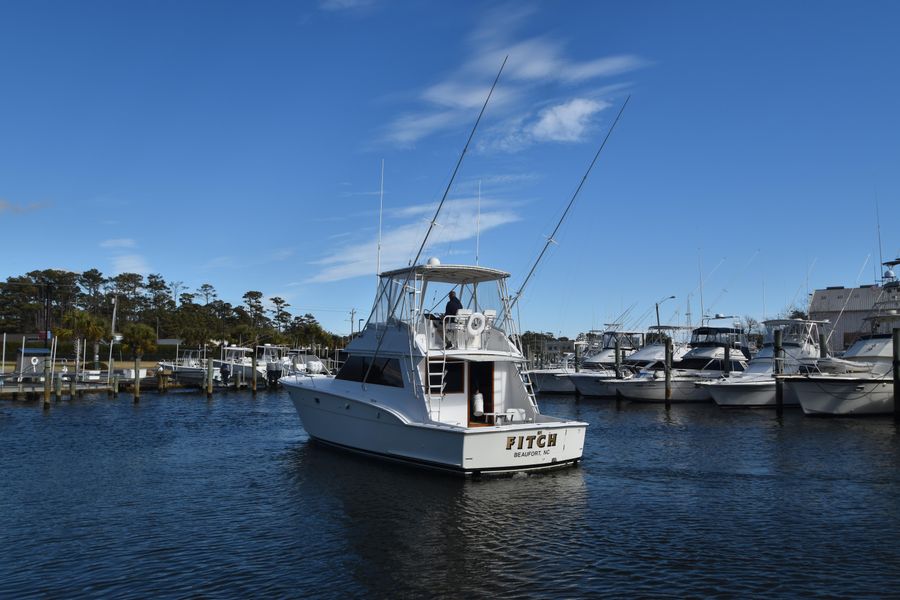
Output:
(700, 269)
(878, 229)
(478, 223)
(396, 303)
(380, 213)
(550, 239)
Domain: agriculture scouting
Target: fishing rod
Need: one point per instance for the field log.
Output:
(393, 307)
(551, 239)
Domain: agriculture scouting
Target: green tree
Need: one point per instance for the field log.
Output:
(208, 292)
(281, 316)
(255, 310)
(138, 339)
(81, 324)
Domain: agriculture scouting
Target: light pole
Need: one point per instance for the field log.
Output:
(657, 312)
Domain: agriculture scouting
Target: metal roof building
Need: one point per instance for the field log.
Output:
(856, 304)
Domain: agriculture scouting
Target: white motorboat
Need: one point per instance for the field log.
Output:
(190, 367)
(648, 359)
(755, 387)
(603, 355)
(705, 361)
(237, 362)
(448, 393)
(554, 379)
(867, 393)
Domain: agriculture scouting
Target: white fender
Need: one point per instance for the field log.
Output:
(478, 405)
(34, 361)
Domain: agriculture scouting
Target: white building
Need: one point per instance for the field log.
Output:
(846, 308)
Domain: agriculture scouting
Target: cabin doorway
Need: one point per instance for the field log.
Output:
(481, 380)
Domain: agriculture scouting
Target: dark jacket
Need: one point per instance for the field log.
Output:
(453, 307)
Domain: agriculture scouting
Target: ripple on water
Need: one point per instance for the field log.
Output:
(178, 496)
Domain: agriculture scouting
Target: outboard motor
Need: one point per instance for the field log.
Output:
(273, 372)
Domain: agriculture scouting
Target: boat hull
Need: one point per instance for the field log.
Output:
(375, 429)
(598, 386)
(552, 383)
(750, 394)
(843, 396)
(654, 390)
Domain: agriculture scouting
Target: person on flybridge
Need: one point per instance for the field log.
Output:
(453, 306)
(451, 310)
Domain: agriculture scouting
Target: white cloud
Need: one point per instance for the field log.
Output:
(455, 224)
(17, 209)
(118, 243)
(130, 263)
(535, 65)
(566, 122)
(339, 5)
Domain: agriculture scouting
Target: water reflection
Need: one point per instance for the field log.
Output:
(409, 529)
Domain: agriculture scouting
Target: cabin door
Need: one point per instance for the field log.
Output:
(481, 380)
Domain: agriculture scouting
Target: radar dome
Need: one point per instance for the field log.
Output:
(889, 274)
(434, 262)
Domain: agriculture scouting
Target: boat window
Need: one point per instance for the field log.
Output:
(692, 363)
(385, 371)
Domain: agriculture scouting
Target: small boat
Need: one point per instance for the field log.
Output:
(445, 392)
(190, 367)
(237, 361)
(755, 387)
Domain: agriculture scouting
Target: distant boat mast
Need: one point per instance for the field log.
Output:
(380, 213)
(478, 223)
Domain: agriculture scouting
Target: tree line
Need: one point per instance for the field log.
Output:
(80, 306)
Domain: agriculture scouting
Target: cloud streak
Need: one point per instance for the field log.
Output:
(118, 243)
(399, 243)
(538, 67)
(11, 208)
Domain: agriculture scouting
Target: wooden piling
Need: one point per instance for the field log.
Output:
(47, 383)
(618, 359)
(57, 386)
(668, 373)
(209, 377)
(73, 385)
(823, 346)
(896, 365)
(577, 357)
(726, 367)
(253, 381)
(115, 386)
(137, 381)
(779, 369)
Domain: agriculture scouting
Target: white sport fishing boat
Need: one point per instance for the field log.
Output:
(703, 362)
(603, 355)
(554, 379)
(648, 359)
(870, 392)
(448, 393)
(755, 387)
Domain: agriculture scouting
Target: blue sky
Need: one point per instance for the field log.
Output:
(240, 144)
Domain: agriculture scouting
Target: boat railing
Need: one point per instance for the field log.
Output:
(467, 330)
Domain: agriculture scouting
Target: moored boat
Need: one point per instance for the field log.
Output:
(447, 392)
(755, 387)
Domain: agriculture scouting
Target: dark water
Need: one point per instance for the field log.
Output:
(181, 497)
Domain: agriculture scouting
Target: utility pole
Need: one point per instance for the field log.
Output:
(352, 320)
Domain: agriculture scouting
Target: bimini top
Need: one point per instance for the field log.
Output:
(454, 274)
